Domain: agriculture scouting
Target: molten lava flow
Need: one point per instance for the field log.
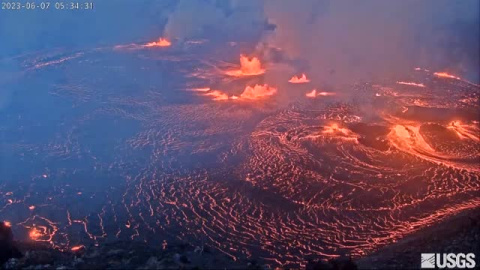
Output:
(411, 84)
(335, 128)
(248, 67)
(314, 94)
(162, 42)
(446, 75)
(35, 234)
(7, 223)
(250, 93)
(258, 91)
(464, 131)
(302, 79)
(336, 131)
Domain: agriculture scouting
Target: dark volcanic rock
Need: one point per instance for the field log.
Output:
(342, 263)
(460, 233)
(7, 247)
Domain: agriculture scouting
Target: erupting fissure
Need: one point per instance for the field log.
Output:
(161, 42)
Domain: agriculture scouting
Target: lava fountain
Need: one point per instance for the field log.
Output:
(217, 95)
(248, 67)
(411, 84)
(301, 79)
(161, 42)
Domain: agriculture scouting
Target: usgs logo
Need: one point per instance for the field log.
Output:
(448, 260)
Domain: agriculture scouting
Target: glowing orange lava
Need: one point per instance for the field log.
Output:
(314, 94)
(250, 93)
(464, 131)
(77, 248)
(217, 95)
(201, 89)
(31, 207)
(335, 128)
(446, 75)
(162, 42)
(411, 84)
(248, 67)
(258, 91)
(302, 79)
(35, 234)
(7, 223)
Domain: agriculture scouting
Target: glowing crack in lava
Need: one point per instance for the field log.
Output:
(77, 248)
(446, 75)
(411, 84)
(302, 79)
(248, 67)
(161, 42)
(314, 93)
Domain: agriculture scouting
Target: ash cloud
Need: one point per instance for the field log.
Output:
(217, 20)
